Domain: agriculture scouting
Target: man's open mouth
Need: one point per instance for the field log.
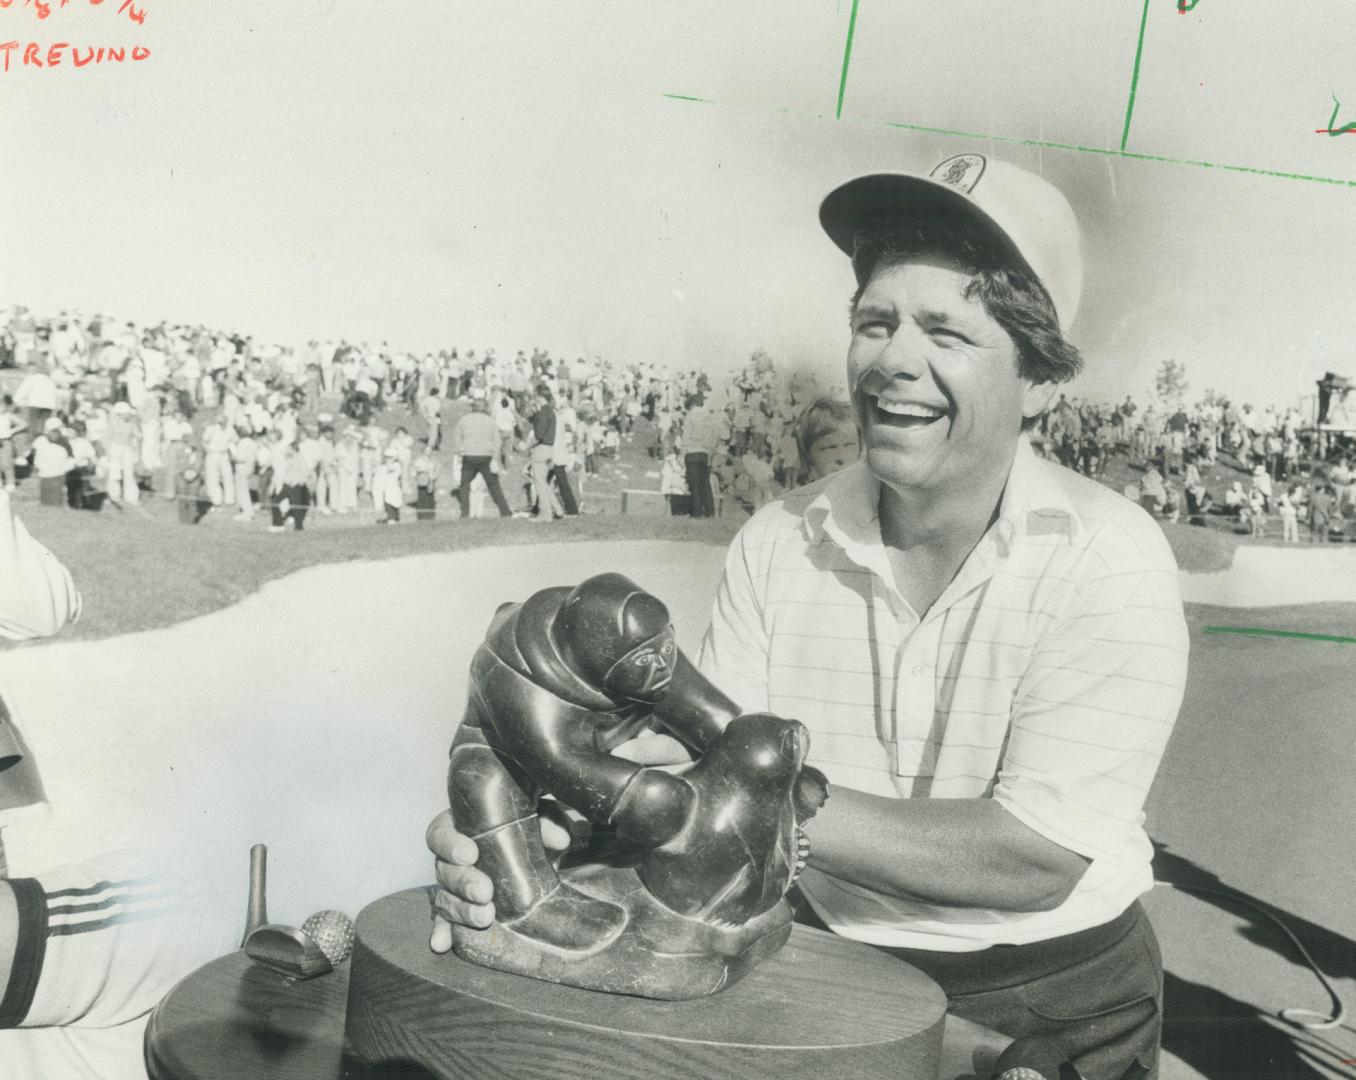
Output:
(905, 414)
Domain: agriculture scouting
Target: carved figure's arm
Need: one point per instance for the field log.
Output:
(553, 742)
(693, 708)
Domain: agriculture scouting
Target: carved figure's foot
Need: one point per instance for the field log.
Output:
(569, 919)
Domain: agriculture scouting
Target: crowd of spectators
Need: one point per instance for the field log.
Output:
(103, 410)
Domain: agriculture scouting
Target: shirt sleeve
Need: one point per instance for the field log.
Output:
(1094, 711)
(734, 652)
(100, 943)
(37, 595)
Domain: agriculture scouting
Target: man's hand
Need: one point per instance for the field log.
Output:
(466, 896)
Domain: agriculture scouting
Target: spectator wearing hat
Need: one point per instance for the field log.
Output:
(477, 445)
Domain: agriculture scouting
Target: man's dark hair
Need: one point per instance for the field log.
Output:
(1010, 293)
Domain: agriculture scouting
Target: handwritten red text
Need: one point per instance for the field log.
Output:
(32, 54)
(44, 8)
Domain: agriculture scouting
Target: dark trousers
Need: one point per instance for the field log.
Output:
(1096, 994)
(425, 504)
(298, 498)
(680, 505)
(562, 479)
(698, 469)
(78, 488)
(479, 464)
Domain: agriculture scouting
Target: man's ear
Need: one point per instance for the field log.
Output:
(1037, 399)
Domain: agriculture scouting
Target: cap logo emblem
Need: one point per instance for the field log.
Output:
(962, 171)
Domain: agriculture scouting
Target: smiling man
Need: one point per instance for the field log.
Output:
(988, 650)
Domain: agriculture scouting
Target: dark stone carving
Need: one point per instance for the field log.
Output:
(681, 890)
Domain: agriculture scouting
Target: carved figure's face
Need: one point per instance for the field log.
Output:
(645, 672)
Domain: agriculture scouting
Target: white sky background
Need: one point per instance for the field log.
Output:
(511, 174)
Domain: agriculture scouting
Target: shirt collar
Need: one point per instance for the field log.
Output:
(1034, 503)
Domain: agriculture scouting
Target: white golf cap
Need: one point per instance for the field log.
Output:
(1027, 215)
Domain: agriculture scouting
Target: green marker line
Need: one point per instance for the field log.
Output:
(847, 55)
(1134, 79)
(1259, 631)
(1130, 154)
(1048, 144)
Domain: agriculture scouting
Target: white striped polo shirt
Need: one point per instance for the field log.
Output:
(1047, 676)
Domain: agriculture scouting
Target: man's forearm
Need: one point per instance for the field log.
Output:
(951, 852)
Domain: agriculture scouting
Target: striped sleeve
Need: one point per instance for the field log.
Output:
(98, 944)
(1095, 708)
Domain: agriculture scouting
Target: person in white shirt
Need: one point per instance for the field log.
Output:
(218, 474)
(51, 462)
(989, 650)
(122, 440)
(244, 454)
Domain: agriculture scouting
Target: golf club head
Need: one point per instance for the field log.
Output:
(287, 950)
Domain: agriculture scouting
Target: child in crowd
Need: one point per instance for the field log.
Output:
(387, 491)
(673, 485)
(826, 435)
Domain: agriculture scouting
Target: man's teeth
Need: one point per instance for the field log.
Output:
(910, 409)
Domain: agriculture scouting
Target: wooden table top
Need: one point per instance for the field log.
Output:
(232, 1019)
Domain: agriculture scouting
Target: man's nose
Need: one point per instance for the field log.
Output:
(903, 357)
